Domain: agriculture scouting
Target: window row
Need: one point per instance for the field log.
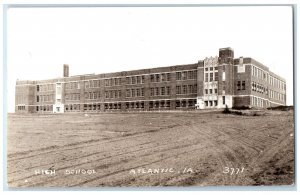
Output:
(44, 108)
(72, 85)
(259, 88)
(211, 68)
(137, 92)
(44, 98)
(72, 107)
(160, 91)
(92, 84)
(241, 85)
(277, 83)
(276, 95)
(160, 77)
(211, 91)
(111, 94)
(113, 82)
(212, 103)
(21, 107)
(259, 73)
(72, 96)
(186, 89)
(213, 76)
(188, 103)
(135, 80)
(186, 75)
(258, 102)
(92, 95)
(45, 87)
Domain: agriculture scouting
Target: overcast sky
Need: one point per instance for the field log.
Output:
(100, 40)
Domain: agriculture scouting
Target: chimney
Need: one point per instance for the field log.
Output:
(66, 70)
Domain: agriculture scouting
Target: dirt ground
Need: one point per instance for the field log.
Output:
(150, 149)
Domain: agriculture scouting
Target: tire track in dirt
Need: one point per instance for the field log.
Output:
(149, 154)
(154, 145)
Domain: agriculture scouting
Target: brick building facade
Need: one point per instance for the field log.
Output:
(210, 83)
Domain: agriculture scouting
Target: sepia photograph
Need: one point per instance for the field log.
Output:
(110, 96)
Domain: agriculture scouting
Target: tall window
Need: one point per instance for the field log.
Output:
(151, 91)
(168, 90)
(243, 85)
(157, 91)
(184, 90)
(223, 98)
(151, 78)
(162, 90)
(178, 75)
(168, 76)
(216, 76)
(239, 85)
(211, 77)
(178, 89)
(206, 77)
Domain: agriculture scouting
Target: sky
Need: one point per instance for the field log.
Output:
(103, 39)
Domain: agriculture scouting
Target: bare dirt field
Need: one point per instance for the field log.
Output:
(150, 149)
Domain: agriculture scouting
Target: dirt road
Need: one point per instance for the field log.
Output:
(150, 149)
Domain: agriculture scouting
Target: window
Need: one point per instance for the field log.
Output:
(138, 93)
(157, 78)
(184, 75)
(151, 91)
(127, 80)
(127, 93)
(195, 88)
(138, 79)
(190, 89)
(206, 91)
(206, 77)
(216, 76)
(37, 98)
(216, 103)
(156, 91)
(178, 89)
(132, 80)
(239, 85)
(178, 75)
(132, 92)
(223, 98)
(37, 88)
(184, 89)
(243, 85)
(211, 68)
(211, 75)
(206, 69)
(162, 90)
(163, 77)
(206, 103)
(143, 79)
(216, 90)
(190, 74)
(210, 103)
(120, 94)
(168, 76)
(151, 78)
(86, 84)
(168, 90)
(210, 91)
(142, 92)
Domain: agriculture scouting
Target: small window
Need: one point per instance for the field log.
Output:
(223, 98)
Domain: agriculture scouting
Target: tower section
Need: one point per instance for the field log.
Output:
(226, 77)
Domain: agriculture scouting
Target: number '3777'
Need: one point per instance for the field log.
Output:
(231, 171)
